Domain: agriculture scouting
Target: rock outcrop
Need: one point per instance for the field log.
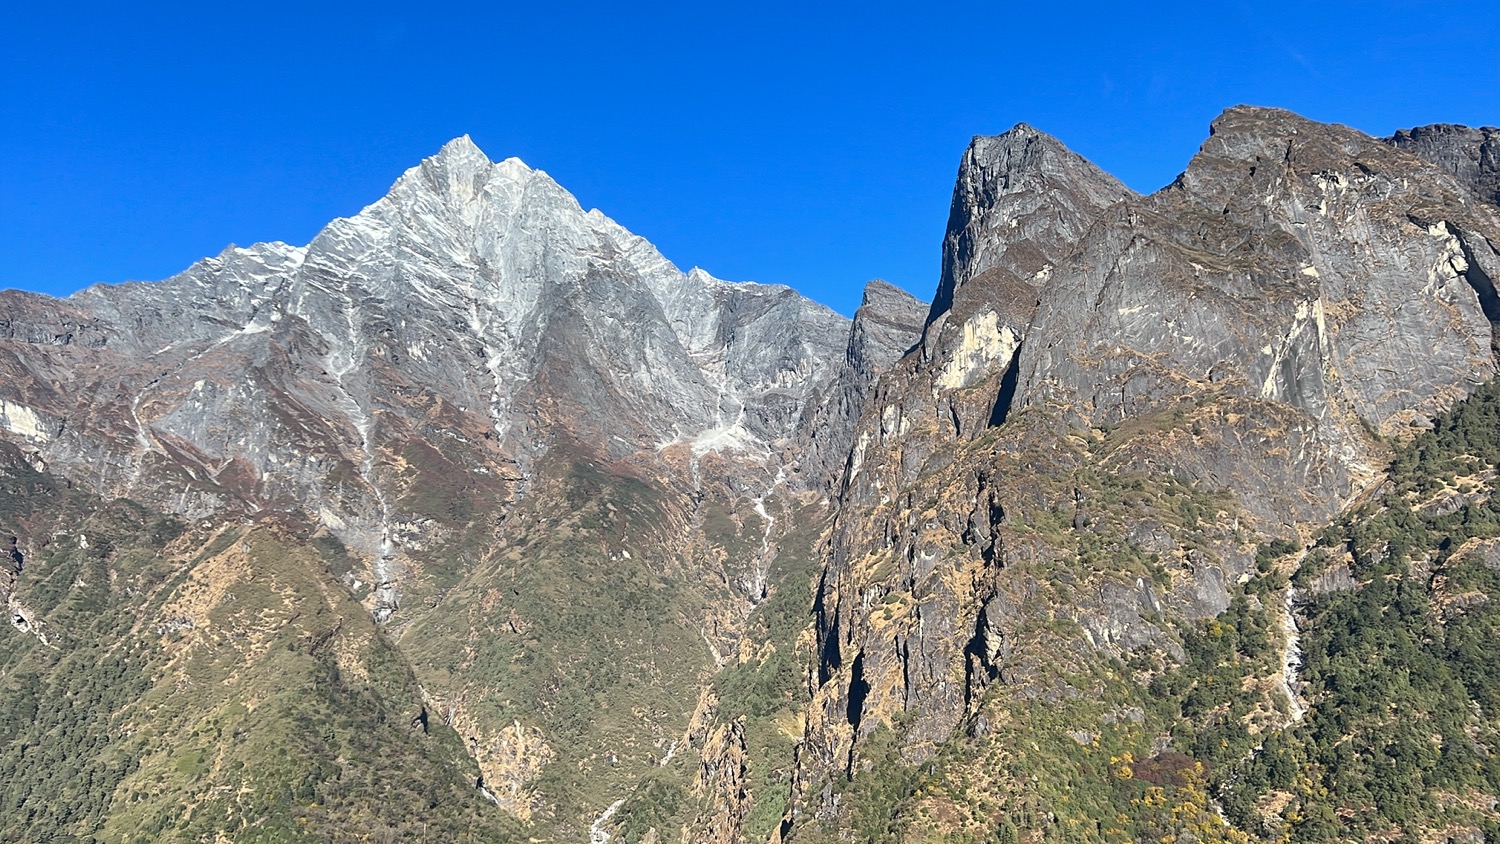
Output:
(1472, 156)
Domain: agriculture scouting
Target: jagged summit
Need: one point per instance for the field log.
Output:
(886, 324)
(1259, 331)
(1021, 157)
(463, 152)
(424, 385)
(1018, 196)
(1253, 152)
(463, 145)
(879, 291)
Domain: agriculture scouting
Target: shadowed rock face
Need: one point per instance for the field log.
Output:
(1248, 330)
(1472, 156)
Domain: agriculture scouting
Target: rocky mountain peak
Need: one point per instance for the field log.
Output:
(460, 162)
(1021, 158)
(880, 296)
(461, 147)
(1022, 198)
(1259, 144)
(1279, 227)
(886, 324)
(1256, 156)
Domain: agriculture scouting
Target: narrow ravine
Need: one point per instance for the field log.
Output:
(1291, 656)
(597, 833)
(384, 567)
(763, 562)
(759, 581)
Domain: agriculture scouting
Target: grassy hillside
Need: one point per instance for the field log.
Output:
(207, 682)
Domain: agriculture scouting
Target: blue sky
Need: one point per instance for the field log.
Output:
(806, 144)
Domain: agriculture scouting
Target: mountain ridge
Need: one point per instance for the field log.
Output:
(643, 553)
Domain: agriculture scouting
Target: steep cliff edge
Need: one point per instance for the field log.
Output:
(1085, 469)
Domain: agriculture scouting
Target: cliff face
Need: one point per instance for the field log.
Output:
(1021, 200)
(1108, 413)
(1300, 267)
(1472, 156)
(1021, 204)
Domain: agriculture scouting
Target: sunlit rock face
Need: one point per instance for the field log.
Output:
(508, 410)
(1258, 330)
(476, 303)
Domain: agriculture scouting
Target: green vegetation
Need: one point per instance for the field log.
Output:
(584, 622)
(201, 683)
(1398, 605)
(769, 691)
(202, 680)
(1402, 672)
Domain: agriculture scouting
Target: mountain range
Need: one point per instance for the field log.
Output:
(477, 519)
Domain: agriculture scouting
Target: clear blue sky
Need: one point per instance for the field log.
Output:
(802, 143)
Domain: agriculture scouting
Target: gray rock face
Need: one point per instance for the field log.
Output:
(1306, 268)
(476, 304)
(886, 326)
(1240, 333)
(1472, 156)
(1021, 201)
